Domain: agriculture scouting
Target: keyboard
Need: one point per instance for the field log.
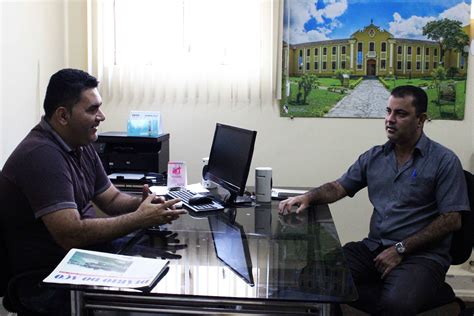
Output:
(184, 195)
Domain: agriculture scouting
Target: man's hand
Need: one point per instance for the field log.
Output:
(159, 213)
(387, 260)
(301, 201)
(146, 191)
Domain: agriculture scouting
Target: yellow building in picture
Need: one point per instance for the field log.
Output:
(372, 51)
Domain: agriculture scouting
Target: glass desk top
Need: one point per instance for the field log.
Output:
(250, 253)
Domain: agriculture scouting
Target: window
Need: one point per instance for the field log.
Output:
(427, 65)
(334, 50)
(307, 66)
(435, 65)
(409, 50)
(360, 56)
(399, 65)
(382, 64)
(418, 50)
(316, 51)
(343, 64)
(325, 51)
(418, 65)
(343, 50)
(435, 52)
(371, 46)
(153, 41)
(408, 65)
(427, 51)
(300, 60)
(333, 65)
(308, 52)
(384, 47)
(324, 65)
(399, 49)
(315, 65)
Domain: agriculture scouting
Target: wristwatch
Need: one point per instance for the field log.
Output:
(400, 248)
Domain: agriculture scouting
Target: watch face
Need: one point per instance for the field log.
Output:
(400, 247)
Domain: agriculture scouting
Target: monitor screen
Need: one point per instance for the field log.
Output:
(231, 246)
(230, 158)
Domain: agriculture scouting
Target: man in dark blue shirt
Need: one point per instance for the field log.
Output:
(417, 188)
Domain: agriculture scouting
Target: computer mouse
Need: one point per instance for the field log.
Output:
(198, 199)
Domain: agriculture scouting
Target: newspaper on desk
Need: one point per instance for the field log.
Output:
(84, 267)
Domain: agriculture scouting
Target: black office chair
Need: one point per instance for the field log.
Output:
(446, 302)
(461, 248)
(8, 281)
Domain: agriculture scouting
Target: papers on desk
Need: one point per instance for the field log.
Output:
(84, 267)
(281, 194)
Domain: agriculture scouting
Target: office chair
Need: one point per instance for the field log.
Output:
(9, 282)
(446, 302)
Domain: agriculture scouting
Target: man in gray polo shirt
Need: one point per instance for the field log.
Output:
(417, 188)
(49, 182)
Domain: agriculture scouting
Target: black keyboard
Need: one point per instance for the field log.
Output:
(184, 195)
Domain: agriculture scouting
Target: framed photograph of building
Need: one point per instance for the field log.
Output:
(341, 58)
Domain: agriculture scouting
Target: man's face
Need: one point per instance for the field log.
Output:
(85, 118)
(402, 125)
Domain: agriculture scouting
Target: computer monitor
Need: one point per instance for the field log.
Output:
(230, 158)
(231, 245)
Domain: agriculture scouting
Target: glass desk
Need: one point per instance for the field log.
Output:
(244, 260)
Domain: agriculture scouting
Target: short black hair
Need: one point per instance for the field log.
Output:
(420, 98)
(65, 88)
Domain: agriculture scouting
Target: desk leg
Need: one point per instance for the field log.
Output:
(76, 303)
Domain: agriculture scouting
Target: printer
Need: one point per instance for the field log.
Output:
(131, 161)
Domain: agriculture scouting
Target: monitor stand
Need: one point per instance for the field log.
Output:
(228, 199)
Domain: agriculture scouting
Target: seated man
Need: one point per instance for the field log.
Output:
(49, 182)
(417, 188)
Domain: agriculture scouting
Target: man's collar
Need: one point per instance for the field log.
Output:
(421, 146)
(47, 127)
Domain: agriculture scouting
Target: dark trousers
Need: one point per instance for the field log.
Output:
(405, 290)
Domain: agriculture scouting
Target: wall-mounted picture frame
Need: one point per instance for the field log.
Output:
(342, 58)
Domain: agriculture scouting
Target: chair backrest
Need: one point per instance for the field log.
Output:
(4, 275)
(4, 269)
(461, 244)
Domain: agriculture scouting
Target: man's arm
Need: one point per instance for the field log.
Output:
(327, 193)
(439, 228)
(70, 231)
(113, 202)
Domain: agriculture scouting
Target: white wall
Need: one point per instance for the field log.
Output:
(302, 152)
(35, 42)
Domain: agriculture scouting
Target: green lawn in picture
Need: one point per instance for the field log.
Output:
(318, 103)
(401, 82)
(447, 110)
